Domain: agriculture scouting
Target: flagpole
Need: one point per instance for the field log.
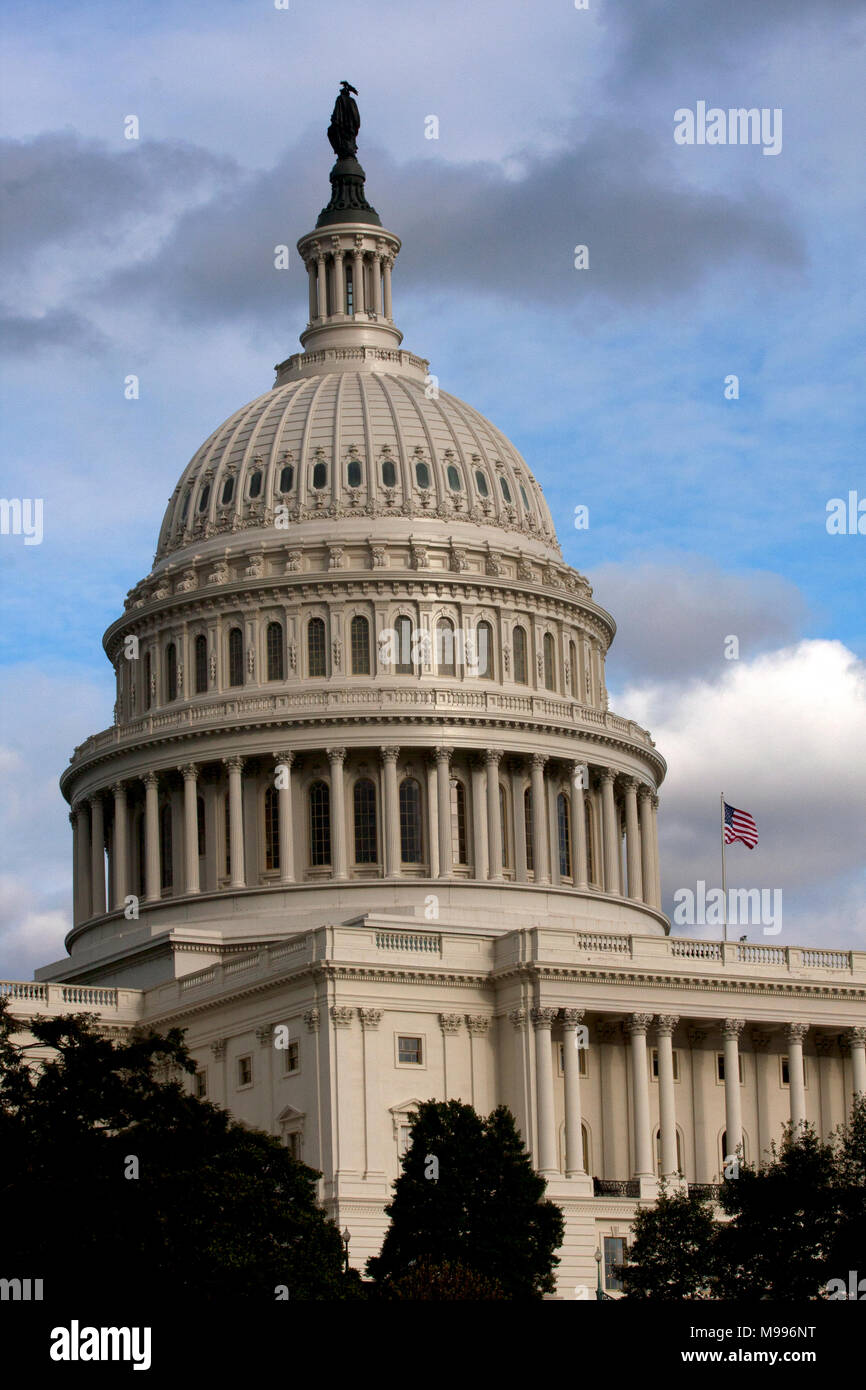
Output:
(724, 879)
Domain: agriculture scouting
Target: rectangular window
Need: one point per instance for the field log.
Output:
(615, 1249)
(676, 1057)
(720, 1066)
(409, 1051)
(245, 1071)
(292, 1062)
(582, 1055)
(294, 1144)
(403, 1141)
(201, 1084)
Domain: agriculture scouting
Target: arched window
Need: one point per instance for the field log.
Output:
(200, 664)
(274, 642)
(272, 828)
(459, 847)
(389, 473)
(350, 290)
(360, 645)
(549, 663)
(185, 508)
(590, 846)
(563, 823)
(366, 838)
(744, 1154)
(455, 482)
(320, 475)
(320, 824)
(255, 484)
(403, 629)
(505, 490)
(316, 654)
(204, 498)
(165, 848)
(228, 491)
(201, 834)
(236, 657)
(572, 662)
(147, 675)
(527, 821)
(422, 473)
(503, 826)
(171, 672)
(481, 483)
(680, 1168)
(484, 638)
(287, 477)
(445, 657)
(410, 821)
(353, 473)
(524, 496)
(521, 670)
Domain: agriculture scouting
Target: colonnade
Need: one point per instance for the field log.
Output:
(636, 1028)
(570, 833)
(370, 275)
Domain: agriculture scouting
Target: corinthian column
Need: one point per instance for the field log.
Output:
(647, 863)
(657, 883)
(443, 799)
(731, 1031)
(610, 834)
(82, 859)
(336, 758)
(856, 1039)
(236, 822)
(539, 818)
(389, 755)
(97, 855)
(358, 294)
(283, 778)
(389, 261)
(492, 758)
(796, 1075)
(578, 827)
(323, 288)
(190, 827)
(632, 841)
(119, 856)
(637, 1027)
(667, 1106)
(152, 875)
(571, 1019)
(479, 820)
(542, 1020)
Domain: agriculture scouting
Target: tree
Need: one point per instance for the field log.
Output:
(468, 1196)
(444, 1283)
(672, 1253)
(115, 1181)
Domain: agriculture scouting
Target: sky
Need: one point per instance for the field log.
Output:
(555, 129)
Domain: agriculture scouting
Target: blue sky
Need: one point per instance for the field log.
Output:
(707, 516)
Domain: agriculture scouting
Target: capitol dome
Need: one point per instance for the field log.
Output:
(359, 668)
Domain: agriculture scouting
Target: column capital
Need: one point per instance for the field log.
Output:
(390, 752)
(543, 1018)
(493, 756)
(796, 1032)
(644, 791)
(93, 797)
(857, 1037)
(654, 800)
(73, 817)
(336, 755)
(630, 783)
(576, 770)
(760, 1041)
(636, 1024)
(118, 789)
(450, 1023)
(234, 764)
(150, 779)
(538, 760)
(190, 771)
(606, 774)
(264, 1034)
(666, 1024)
(342, 1015)
(218, 1048)
(733, 1027)
(477, 1023)
(284, 759)
(443, 755)
(518, 1018)
(572, 1017)
(370, 1019)
(312, 1018)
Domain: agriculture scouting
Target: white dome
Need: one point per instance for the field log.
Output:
(334, 444)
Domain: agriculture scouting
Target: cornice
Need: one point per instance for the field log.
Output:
(703, 983)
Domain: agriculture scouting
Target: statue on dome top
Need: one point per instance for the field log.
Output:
(345, 123)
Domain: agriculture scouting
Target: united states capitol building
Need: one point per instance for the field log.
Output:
(366, 827)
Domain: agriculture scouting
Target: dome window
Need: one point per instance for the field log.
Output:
(524, 496)
(204, 497)
(353, 473)
(389, 473)
(320, 475)
(185, 508)
(481, 483)
(228, 491)
(506, 490)
(256, 483)
(287, 477)
(455, 482)
(422, 473)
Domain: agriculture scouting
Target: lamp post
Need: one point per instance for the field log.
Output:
(599, 1292)
(346, 1237)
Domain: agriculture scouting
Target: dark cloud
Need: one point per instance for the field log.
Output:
(21, 336)
(672, 620)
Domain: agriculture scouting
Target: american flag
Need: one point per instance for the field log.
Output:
(739, 825)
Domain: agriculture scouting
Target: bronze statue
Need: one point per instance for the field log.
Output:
(345, 123)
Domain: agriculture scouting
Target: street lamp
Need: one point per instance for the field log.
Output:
(346, 1237)
(599, 1292)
